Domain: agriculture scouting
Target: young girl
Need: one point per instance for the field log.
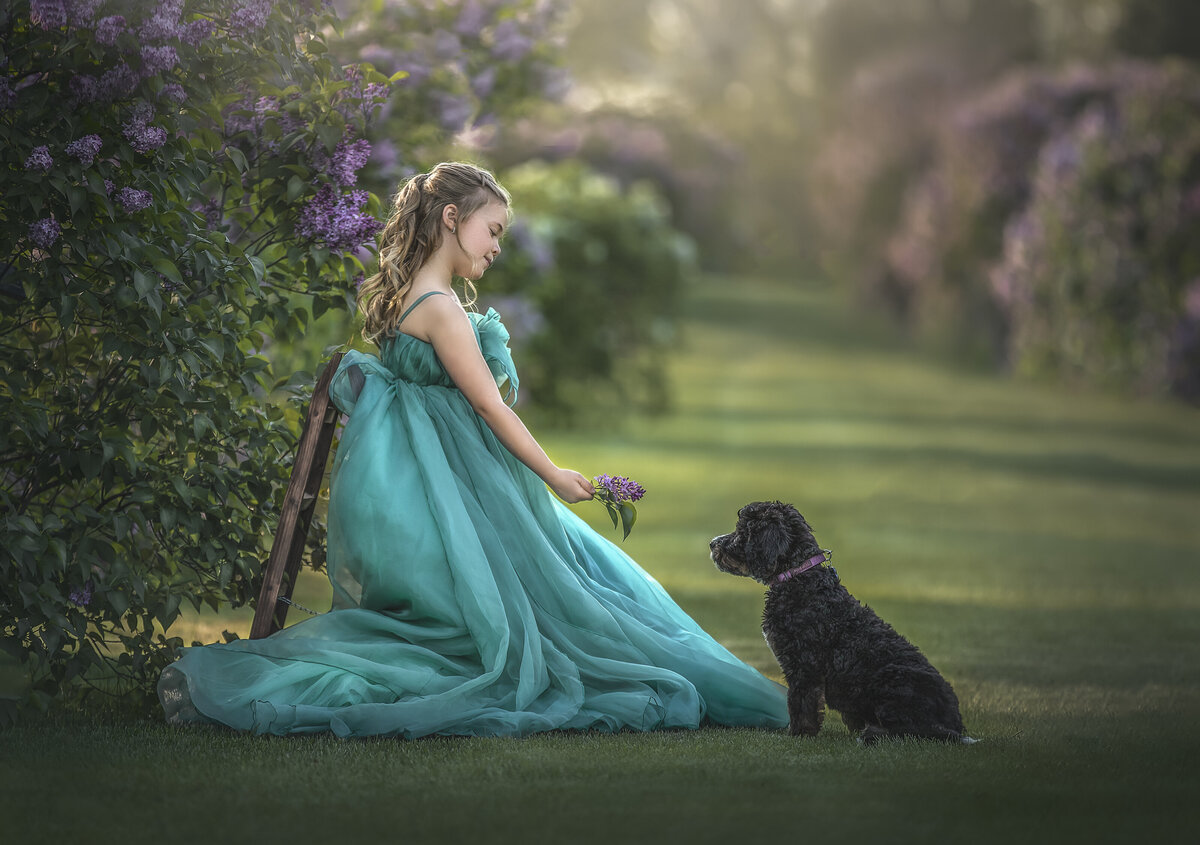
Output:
(466, 598)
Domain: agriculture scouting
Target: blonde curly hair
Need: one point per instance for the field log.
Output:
(414, 232)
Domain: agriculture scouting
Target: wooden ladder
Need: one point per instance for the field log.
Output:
(283, 565)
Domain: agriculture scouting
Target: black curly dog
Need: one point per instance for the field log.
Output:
(832, 648)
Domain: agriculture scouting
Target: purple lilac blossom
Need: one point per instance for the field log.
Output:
(109, 187)
(118, 82)
(85, 149)
(196, 31)
(509, 44)
(417, 69)
(143, 112)
(156, 60)
(472, 19)
(83, 12)
(337, 220)
(39, 160)
(453, 110)
(484, 81)
(133, 200)
(109, 29)
(82, 596)
(251, 15)
(347, 159)
(384, 154)
(173, 91)
(85, 89)
(44, 232)
(446, 46)
(521, 316)
(163, 25)
(620, 488)
(48, 14)
(376, 90)
(145, 138)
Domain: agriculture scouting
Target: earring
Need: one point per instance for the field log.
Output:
(453, 230)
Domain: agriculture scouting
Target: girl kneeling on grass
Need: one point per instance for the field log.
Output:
(466, 598)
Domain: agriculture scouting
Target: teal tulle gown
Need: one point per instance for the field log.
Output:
(467, 598)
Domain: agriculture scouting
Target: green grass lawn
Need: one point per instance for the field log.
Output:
(1040, 544)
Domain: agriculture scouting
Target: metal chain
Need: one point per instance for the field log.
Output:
(298, 606)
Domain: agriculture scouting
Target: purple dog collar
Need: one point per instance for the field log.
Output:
(815, 560)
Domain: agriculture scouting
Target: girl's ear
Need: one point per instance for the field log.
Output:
(450, 216)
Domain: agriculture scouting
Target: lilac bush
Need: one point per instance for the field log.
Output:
(1097, 272)
(1049, 227)
(465, 61)
(183, 183)
(153, 240)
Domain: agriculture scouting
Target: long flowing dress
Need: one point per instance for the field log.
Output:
(467, 599)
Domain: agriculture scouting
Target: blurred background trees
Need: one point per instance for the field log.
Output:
(1015, 180)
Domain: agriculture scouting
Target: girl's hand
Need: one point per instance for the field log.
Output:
(571, 486)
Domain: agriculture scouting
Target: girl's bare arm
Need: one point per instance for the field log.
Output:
(449, 330)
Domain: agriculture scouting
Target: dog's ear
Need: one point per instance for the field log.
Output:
(766, 544)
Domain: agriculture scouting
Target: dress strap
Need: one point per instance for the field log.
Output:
(420, 299)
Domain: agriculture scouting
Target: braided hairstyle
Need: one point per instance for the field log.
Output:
(414, 232)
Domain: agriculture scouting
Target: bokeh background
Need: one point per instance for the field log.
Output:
(1016, 182)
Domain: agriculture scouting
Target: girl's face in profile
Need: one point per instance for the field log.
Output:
(479, 239)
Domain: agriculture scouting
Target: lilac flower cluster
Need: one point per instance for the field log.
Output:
(163, 25)
(133, 200)
(83, 12)
(618, 488)
(156, 60)
(117, 82)
(144, 137)
(173, 91)
(337, 220)
(473, 18)
(109, 29)
(348, 158)
(44, 232)
(85, 149)
(251, 15)
(251, 114)
(197, 31)
(39, 160)
(48, 14)
(81, 596)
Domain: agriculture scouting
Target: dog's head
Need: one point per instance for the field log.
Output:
(770, 538)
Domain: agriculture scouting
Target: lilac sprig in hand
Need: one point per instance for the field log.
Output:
(618, 495)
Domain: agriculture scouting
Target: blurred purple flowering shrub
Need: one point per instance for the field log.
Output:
(464, 61)
(1052, 225)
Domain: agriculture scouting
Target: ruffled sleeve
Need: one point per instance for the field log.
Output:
(493, 342)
